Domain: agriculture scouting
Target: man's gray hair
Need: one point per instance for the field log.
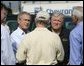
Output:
(78, 12)
(58, 14)
(22, 13)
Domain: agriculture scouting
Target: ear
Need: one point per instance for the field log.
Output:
(76, 19)
(18, 21)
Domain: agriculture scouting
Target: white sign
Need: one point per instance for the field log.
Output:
(65, 8)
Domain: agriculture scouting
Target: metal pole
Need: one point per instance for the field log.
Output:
(10, 5)
(19, 4)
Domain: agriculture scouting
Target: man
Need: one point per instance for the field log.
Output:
(57, 21)
(18, 34)
(4, 23)
(7, 54)
(76, 37)
(40, 47)
(4, 18)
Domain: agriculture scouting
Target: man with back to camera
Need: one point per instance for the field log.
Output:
(41, 46)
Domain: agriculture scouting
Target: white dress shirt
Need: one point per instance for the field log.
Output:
(7, 27)
(40, 47)
(7, 54)
(16, 38)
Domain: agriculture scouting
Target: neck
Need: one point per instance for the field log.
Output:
(40, 25)
(79, 21)
(25, 30)
(3, 24)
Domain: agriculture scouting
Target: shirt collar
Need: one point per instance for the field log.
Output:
(20, 31)
(40, 28)
(80, 23)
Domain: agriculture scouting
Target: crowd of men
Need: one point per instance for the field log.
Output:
(54, 45)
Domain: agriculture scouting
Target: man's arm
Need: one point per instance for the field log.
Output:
(60, 50)
(21, 52)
